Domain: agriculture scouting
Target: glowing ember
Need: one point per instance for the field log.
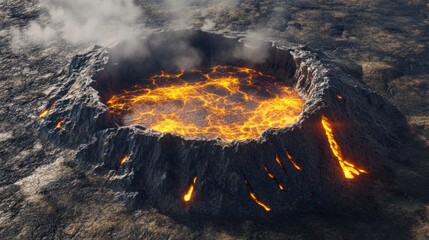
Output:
(349, 169)
(255, 199)
(232, 103)
(270, 175)
(43, 113)
(292, 160)
(124, 159)
(340, 97)
(59, 124)
(279, 162)
(188, 196)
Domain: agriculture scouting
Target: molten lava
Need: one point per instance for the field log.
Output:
(254, 198)
(188, 196)
(124, 159)
(233, 103)
(292, 160)
(349, 169)
(279, 162)
(59, 124)
(43, 113)
(271, 176)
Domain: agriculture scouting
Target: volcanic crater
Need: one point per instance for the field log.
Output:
(198, 123)
(230, 103)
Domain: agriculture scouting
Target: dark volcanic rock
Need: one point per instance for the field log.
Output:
(161, 166)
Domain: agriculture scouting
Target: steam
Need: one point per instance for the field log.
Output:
(177, 49)
(108, 22)
(81, 22)
(255, 51)
(208, 25)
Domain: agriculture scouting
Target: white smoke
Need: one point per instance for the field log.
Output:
(107, 22)
(81, 22)
(256, 50)
(208, 25)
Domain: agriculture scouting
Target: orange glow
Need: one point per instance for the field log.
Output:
(253, 196)
(233, 103)
(188, 196)
(124, 159)
(43, 113)
(59, 124)
(255, 199)
(292, 160)
(340, 97)
(271, 176)
(279, 162)
(349, 169)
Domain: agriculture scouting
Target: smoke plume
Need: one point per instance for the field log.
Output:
(81, 22)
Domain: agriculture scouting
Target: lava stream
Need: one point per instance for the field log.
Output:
(271, 176)
(255, 199)
(349, 169)
(292, 160)
(43, 113)
(124, 159)
(59, 124)
(280, 163)
(189, 194)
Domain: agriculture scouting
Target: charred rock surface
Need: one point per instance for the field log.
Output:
(160, 167)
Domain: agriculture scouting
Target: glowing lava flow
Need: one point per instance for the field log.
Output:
(124, 159)
(254, 198)
(233, 103)
(43, 113)
(188, 196)
(349, 169)
(271, 176)
(292, 160)
(59, 124)
(279, 162)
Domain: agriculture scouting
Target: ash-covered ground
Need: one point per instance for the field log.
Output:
(45, 193)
